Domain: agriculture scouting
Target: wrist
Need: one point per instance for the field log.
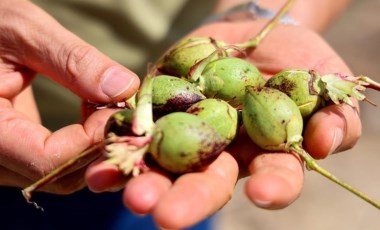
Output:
(313, 14)
(249, 10)
(316, 14)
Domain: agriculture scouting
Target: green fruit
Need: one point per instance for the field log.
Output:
(218, 114)
(171, 94)
(226, 78)
(120, 123)
(302, 86)
(272, 120)
(183, 142)
(185, 54)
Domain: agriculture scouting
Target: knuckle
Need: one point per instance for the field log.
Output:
(78, 58)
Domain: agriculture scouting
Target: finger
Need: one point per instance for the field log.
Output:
(102, 176)
(244, 150)
(42, 44)
(12, 179)
(13, 83)
(35, 151)
(195, 196)
(65, 185)
(336, 127)
(25, 103)
(276, 180)
(142, 193)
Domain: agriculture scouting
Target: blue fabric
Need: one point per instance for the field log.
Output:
(81, 210)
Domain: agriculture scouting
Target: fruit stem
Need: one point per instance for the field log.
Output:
(371, 83)
(196, 70)
(311, 164)
(142, 122)
(254, 42)
(127, 152)
(81, 159)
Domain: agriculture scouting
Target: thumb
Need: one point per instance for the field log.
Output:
(65, 58)
(91, 75)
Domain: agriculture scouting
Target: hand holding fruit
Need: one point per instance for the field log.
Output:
(181, 202)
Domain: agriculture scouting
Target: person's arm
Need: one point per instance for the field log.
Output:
(314, 14)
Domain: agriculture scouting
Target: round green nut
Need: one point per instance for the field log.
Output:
(185, 54)
(226, 78)
(302, 86)
(218, 114)
(120, 123)
(272, 120)
(183, 142)
(171, 94)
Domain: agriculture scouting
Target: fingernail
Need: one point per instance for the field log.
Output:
(337, 141)
(116, 81)
(262, 203)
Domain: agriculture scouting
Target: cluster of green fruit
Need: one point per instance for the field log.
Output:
(199, 97)
(200, 91)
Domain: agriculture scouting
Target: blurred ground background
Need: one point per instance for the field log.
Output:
(324, 205)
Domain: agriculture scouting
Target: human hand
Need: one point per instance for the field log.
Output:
(32, 42)
(275, 180)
